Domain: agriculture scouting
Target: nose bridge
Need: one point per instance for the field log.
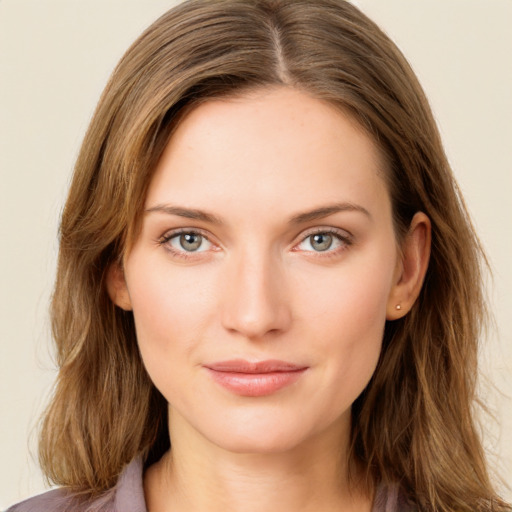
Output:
(254, 295)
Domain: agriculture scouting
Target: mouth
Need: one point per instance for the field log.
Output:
(254, 379)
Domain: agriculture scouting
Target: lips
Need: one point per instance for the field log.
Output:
(254, 379)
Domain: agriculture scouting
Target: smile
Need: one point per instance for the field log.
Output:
(254, 379)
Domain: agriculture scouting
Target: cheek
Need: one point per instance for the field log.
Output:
(348, 300)
(166, 297)
(346, 313)
(171, 308)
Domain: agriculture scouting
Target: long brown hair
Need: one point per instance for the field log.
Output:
(413, 424)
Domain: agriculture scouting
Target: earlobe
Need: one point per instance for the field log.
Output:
(412, 268)
(116, 287)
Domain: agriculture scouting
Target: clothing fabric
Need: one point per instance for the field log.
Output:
(128, 496)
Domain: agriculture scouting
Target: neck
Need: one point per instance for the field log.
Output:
(307, 478)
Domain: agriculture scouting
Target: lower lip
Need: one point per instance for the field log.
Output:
(255, 384)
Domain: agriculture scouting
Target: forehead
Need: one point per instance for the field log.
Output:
(277, 147)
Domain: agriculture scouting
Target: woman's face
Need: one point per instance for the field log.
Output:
(263, 275)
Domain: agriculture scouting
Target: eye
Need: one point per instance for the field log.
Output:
(325, 241)
(187, 241)
(320, 241)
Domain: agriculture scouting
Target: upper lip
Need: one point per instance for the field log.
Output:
(243, 366)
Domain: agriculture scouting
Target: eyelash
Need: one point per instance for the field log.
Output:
(341, 236)
(184, 255)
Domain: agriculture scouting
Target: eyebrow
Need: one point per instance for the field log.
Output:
(188, 213)
(301, 218)
(325, 211)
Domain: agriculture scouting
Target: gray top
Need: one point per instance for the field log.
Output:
(128, 496)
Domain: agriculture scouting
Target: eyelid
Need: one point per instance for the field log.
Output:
(341, 233)
(169, 235)
(343, 236)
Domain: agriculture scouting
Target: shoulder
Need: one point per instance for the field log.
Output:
(51, 500)
(126, 496)
(391, 498)
(59, 500)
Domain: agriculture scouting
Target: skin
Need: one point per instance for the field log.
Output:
(258, 287)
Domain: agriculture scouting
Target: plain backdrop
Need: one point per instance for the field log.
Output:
(55, 58)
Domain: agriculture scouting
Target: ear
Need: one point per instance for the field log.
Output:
(411, 268)
(116, 287)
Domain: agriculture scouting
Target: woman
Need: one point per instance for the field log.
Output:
(265, 263)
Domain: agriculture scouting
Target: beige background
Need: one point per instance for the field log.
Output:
(55, 58)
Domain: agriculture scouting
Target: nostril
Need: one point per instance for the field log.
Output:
(256, 318)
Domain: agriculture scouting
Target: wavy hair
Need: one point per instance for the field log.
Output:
(414, 422)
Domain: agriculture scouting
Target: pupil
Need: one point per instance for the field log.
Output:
(322, 242)
(190, 241)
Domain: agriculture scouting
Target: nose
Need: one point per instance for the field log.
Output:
(254, 303)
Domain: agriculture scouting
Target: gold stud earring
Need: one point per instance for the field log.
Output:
(398, 307)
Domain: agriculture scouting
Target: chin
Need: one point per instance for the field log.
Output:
(262, 442)
(263, 434)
